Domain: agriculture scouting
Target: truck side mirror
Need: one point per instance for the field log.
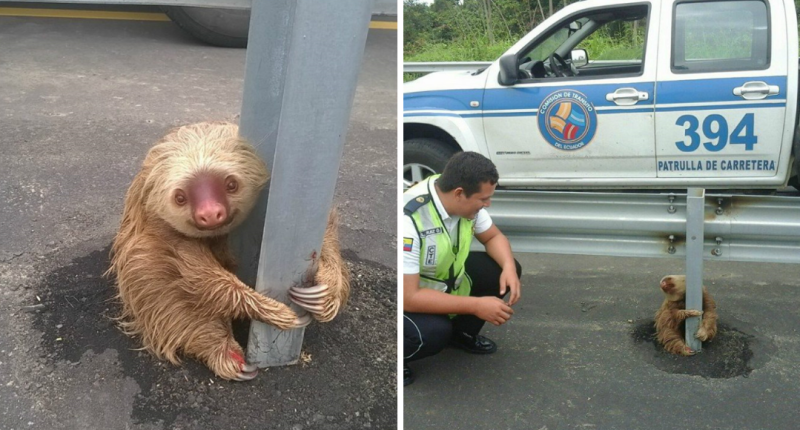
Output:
(509, 70)
(579, 57)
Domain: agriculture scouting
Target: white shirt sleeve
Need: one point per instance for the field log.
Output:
(410, 245)
(482, 222)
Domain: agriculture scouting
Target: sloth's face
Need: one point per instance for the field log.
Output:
(674, 286)
(205, 186)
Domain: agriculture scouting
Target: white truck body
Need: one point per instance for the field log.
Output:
(666, 120)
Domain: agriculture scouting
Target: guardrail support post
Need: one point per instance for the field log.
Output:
(695, 217)
(302, 66)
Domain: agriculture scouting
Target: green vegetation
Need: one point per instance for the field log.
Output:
(618, 41)
(468, 30)
(461, 50)
(481, 30)
(471, 30)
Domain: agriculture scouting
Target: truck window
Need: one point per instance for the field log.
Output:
(720, 36)
(614, 41)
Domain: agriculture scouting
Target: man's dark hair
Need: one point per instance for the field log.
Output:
(467, 170)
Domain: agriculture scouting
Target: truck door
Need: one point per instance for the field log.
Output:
(571, 117)
(721, 92)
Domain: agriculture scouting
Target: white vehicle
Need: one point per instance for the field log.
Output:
(707, 97)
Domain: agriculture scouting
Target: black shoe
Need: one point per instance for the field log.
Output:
(473, 344)
(408, 376)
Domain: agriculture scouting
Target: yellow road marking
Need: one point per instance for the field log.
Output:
(383, 25)
(85, 14)
(126, 16)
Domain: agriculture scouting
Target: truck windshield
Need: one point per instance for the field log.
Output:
(543, 50)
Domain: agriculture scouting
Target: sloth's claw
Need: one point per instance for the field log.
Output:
(248, 368)
(303, 320)
(302, 300)
(312, 299)
(701, 334)
(245, 376)
(313, 308)
(309, 290)
(246, 371)
(302, 294)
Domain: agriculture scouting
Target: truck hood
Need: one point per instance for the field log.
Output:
(457, 80)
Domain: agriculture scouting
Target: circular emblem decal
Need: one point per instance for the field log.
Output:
(567, 120)
(420, 199)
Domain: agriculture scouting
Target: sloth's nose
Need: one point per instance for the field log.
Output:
(211, 215)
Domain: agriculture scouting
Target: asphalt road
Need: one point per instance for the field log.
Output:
(579, 354)
(80, 102)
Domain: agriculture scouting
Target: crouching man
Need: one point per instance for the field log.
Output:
(448, 291)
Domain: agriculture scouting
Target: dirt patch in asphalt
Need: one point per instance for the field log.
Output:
(349, 382)
(731, 353)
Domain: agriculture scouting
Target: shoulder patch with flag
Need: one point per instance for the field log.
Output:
(407, 243)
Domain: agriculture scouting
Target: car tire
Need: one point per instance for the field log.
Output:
(423, 157)
(221, 27)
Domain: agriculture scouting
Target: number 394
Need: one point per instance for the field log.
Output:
(715, 128)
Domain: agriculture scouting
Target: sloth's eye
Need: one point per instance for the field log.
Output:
(231, 185)
(180, 198)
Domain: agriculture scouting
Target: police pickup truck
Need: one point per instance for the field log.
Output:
(703, 94)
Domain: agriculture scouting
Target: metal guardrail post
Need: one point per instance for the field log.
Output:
(695, 217)
(745, 227)
(302, 66)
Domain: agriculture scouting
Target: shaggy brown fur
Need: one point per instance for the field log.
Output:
(172, 263)
(670, 318)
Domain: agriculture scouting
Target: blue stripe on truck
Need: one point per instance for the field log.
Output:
(532, 97)
(710, 91)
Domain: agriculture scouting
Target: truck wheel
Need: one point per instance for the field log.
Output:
(220, 27)
(423, 157)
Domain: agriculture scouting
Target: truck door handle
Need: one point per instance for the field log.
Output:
(626, 96)
(756, 90)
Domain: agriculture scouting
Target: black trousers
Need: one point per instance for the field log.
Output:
(428, 334)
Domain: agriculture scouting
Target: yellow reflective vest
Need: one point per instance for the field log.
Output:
(441, 257)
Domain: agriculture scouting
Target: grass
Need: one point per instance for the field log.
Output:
(599, 47)
(476, 50)
(461, 50)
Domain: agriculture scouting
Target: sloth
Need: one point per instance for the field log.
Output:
(174, 270)
(671, 316)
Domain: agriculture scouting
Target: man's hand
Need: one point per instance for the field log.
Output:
(493, 310)
(508, 278)
(499, 249)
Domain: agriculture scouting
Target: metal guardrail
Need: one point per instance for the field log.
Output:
(736, 227)
(441, 66)
(379, 7)
(694, 226)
